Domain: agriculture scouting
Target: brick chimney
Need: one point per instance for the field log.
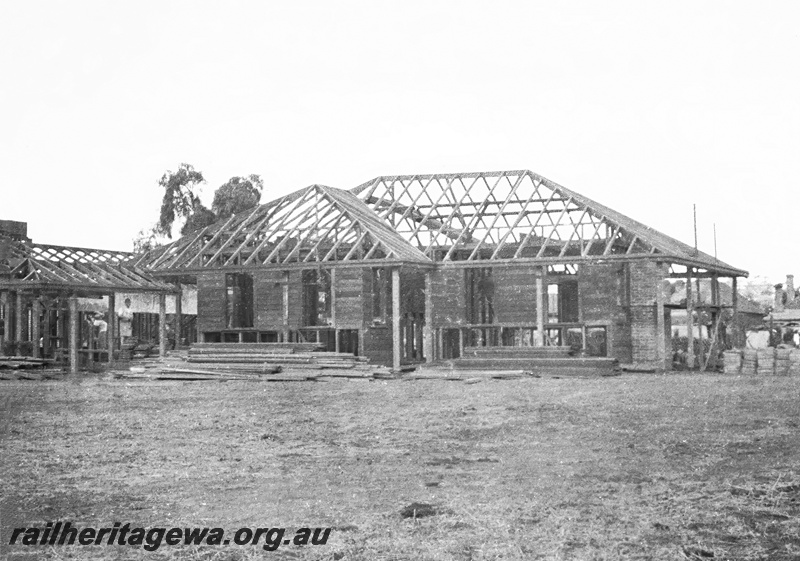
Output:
(789, 289)
(779, 298)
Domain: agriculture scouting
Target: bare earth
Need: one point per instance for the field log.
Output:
(632, 467)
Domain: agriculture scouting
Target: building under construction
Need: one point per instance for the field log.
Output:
(409, 269)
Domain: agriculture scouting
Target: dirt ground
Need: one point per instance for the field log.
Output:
(631, 467)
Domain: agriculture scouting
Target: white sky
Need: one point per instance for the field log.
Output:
(646, 107)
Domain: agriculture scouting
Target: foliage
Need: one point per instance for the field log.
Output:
(146, 239)
(238, 194)
(201, 218)
(180, 199)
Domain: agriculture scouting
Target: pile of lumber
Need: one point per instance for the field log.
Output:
(782, 361)
(538, 360)
(794, 362)
(447, 373)
(765, 365)
(283, 356)
(273, 362)
(750, 361)
(20, 362)
(732, 361)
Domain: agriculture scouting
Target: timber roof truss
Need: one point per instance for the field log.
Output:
(317, 224)
(42, 266)
(515, 215)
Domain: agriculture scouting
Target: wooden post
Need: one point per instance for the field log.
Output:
(689, 319)
(427, 328)
(460, 342)
(19, 320)
(285, 301)
(735, 320)
(333, 311)
(661, 336)
(396, 319)
(6, 335)
(178, 320)
(73, 334)
(162, 325)
(111, 330)
(35, 325)
(540, 310)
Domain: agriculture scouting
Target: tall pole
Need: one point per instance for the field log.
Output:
(689, 319)
(285, 302)
(73, 334)
(35, 326)
(178, 315)
(540, 303)
(162, 325)
(427, 328)
(19, 320)
(396, 319)
(111, 329)
(661, 336)
(694, 211)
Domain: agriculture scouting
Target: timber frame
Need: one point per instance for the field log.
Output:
(527, 230)
(36, 279)
(413, 268)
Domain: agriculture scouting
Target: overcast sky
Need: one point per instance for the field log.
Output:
(647, 107)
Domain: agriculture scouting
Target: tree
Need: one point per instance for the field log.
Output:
(146, 239)
(201, 218)
(238, 194)
(180, 199)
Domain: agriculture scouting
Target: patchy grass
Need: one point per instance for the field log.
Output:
(633, 467)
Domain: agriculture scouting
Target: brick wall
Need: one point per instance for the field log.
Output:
(603, 299)
(515, 295)
(448, 297)
(349, 295)
(645, 282)
(268, 300)
(211, 301)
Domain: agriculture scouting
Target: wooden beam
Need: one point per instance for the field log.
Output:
(285, 302)
(73, 334)
(540, 303)
(6, 331)
(36, 307)
(689, 320)
(178, 321)
(19, 319)
(112, 326)
(162, 325)
(396, 319)
(661, 336)
(427, 328)
(735, 305)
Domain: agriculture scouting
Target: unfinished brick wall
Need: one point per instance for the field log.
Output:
(515, 294)
(645, 281)
(448, 297)
(603, 300)
(348, 298)
(211, 301)
(268, 300)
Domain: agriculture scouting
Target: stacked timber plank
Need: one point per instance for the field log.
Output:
(283, 357)
(794, 362)
(782, 361)
(19, 362)
(765, 365)
(732, 361)
(441, 372)
(750, 361)
(538, 360)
